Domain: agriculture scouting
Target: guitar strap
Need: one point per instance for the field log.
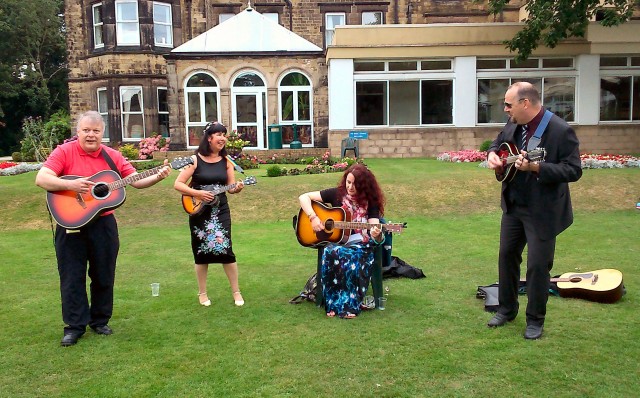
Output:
(235, 165)
(537, 136)
(106, 157)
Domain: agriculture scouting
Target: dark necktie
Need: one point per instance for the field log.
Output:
(525, 129)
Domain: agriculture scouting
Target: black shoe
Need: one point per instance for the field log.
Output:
(70, 338)
(499, 320)
(533, 332)
(104, 329)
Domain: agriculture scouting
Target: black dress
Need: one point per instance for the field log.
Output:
(211, 228)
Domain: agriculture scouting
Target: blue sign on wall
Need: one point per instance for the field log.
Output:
(359, 135)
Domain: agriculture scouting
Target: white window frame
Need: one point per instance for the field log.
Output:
(511, 73)
(329, 32)
(620, 71)
(169, 24)
(201, 91)
(417, 76)
(124, 114)
(296, 89)
(121, 23)
(105, 115)
(97, 26)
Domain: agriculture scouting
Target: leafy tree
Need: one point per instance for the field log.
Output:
(550, 21)
(33, 72)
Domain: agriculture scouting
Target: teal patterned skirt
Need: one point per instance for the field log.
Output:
(346, 272)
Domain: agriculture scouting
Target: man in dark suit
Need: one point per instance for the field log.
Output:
(536, 203)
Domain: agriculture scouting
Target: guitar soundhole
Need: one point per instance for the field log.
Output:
(328, 225)
(100, 190)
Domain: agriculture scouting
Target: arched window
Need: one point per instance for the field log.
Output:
(202, 105)
(296, 100)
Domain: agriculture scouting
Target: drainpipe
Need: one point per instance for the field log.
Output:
(290, 7)
(395, 11)
(409, 12)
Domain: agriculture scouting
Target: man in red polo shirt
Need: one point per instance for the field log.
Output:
(95, 243)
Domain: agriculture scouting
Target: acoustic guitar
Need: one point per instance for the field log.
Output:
(73, 210)
(602, 286)
(509, 153)
(193, 205)
(337, 226)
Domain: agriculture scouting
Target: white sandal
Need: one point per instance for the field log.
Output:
(205, 303)
(239, 303)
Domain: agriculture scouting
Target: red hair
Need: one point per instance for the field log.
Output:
(368, 192)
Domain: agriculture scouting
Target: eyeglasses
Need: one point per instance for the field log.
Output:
(509, 106)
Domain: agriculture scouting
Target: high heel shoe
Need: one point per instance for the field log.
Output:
(240, 302)
(205, 303)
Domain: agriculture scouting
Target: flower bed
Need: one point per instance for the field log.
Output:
(467, 155)
(11, 168)
(596, 161)
(588, 160)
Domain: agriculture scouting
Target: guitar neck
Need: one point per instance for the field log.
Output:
(356, 225)
(132, 178)
(217, 189)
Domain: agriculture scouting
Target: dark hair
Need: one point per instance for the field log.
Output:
(368, 190)
(210, 128)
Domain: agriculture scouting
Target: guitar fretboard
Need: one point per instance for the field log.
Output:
(216, 189)
(132, 178)
(365, 225)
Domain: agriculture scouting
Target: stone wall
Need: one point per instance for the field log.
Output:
(429, 142)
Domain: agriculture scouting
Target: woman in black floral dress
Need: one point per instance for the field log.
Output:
(211, 227)
(346, 268)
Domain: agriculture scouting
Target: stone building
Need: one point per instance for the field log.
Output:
(169, 66)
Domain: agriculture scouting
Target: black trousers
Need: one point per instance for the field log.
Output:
(97, 245)
(516, 231)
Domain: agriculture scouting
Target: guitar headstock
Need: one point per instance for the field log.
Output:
(394, 227)
(251, 180)
(181, 162)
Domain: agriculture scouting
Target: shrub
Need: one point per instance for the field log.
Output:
(16, 157)
(235, 143)
(274, 171)
(247, 161)
(129, 151)
(149, 145)
(141, 166)
(484, 147)
(41, 138)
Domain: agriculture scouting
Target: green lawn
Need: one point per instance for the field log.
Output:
(430, 342)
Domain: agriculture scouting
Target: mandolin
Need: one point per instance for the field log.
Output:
(509, 153)
(193, 205)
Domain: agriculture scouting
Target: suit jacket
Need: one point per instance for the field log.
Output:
(548, 191)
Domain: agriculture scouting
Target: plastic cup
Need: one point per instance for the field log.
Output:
(155, 289)
(382, 303)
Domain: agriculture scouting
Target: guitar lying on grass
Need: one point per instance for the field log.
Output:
(193, 205)
(337, 226)
(73, 210)
(509, 153)
(602, 286)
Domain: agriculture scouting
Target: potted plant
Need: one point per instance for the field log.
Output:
(235, 144)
